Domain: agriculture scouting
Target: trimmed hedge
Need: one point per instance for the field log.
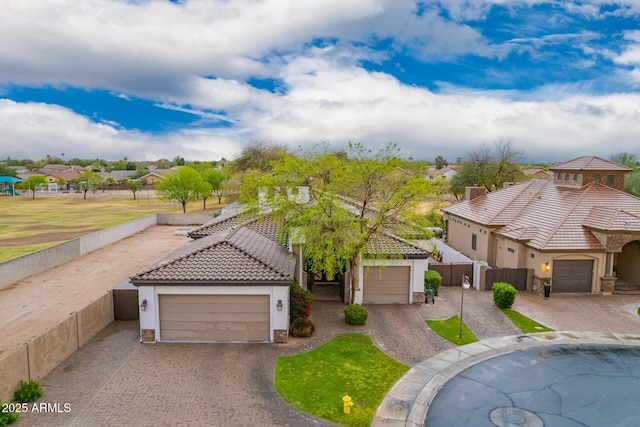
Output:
(302, 327)
(355, 315)
(504, 294)
(434, 279)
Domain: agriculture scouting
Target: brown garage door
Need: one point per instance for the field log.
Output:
(572, 276)
(214, 317)
(386, 285)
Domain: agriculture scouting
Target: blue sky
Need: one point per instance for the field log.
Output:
(155, 79)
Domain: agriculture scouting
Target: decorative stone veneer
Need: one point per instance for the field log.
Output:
(148, 335)
(418, 297)
(607, 285)
(280, 335)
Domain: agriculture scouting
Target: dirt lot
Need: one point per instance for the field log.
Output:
(33, 305)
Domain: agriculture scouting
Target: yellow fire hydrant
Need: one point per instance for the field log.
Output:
(347, 404)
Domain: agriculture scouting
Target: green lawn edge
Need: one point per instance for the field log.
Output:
(350, 364)
(525, 324)
(449, 329)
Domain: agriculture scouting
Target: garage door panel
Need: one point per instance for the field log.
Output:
(387, 285)
(214, 317)
(572, 276)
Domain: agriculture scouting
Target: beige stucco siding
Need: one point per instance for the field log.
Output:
(460, 234)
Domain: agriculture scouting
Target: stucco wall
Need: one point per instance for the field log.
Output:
(52, 347)
(18, 268)
(99, 239)
(13, 368)
(38, 357)
(22, 267)
(183, 218)
(459, 236)
(94, 317)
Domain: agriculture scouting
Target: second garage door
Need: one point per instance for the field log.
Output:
(214, 317)
(572, 276)
(388, 285)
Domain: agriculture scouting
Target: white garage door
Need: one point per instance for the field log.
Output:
(387, 285)
(214, 317)
(572, 276)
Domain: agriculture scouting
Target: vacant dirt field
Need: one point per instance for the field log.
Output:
(33, 305)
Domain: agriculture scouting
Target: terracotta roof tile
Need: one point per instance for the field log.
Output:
(551, 217)
(591, 163)
(242, 256)
(387, 244)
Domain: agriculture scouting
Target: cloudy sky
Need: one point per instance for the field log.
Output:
(151, 79)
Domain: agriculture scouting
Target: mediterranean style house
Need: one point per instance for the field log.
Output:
(579, 230)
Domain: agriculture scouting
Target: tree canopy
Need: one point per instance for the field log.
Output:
(88, 180)
(349, 202)
(489, 166)
(182, 185)
(32, 182)
(258, 155)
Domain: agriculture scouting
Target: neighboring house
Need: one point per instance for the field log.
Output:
(447, 172)
(150, 178)
(67, 177)
(537, 174)
(579, 229)
(232, 282)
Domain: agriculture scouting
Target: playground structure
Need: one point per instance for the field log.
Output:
(8, 186)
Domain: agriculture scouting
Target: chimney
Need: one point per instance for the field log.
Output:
(471, 193)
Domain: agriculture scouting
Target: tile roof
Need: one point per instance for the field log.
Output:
(591, 163)
(241, 256)
(388, 244)
(266, 226)
(552, 217)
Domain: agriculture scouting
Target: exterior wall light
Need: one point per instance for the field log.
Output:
(143, 306)
(546, 267)
(279, 305)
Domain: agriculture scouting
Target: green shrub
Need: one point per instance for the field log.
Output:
(299, 302)
(6, 417)
(355, 315)
(504, 295)
(434, 279)
(27, 392)
(302, 327)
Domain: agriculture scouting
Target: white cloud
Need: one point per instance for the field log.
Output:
(37, 129)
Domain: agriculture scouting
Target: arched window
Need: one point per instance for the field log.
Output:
(596, 177)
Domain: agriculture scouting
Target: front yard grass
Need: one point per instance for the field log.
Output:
(449, 329)
(316, 382)
(525, 324)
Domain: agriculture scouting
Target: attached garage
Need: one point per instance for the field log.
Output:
(572, 276)
(221, 288)
(387, 285)
(214, 318)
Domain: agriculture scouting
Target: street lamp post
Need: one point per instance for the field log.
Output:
(466, 284)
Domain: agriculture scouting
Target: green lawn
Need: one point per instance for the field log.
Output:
(449, 329)
(315, 382)
(27, 224)
(525, 324)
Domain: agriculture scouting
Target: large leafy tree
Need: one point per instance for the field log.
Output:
(7, 171)
(32, 183)
(182, 185)
(88, 180)
(258, 155)
(632, 179)
(489, 166)
(350, 202)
